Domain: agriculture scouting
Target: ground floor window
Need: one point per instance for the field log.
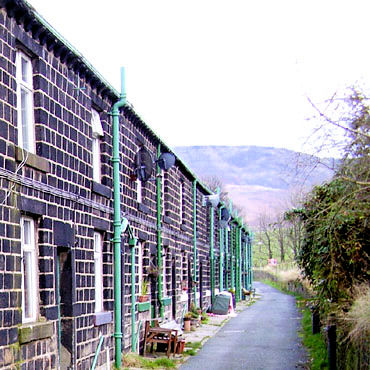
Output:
(29, 270)
(98, 264)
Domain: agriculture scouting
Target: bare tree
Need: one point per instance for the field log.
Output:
(264, 222)
(280, 230)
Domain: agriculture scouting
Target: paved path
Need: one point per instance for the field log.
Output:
(263, 336)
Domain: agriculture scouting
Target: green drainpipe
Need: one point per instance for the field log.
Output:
(117, 223)
(159, 235)
(221, 237)
(212, 253)
(195, 239)
(251, 259)
(132, 241)
(240, 262)
(227, 256)
(236, 263)
(132, 244)
(232, 258)
(57, 289)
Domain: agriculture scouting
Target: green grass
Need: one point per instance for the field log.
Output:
(190, 352)
(281, 287)
(205, 319)
(192, 348)
(195, 345)
(133, 360)
(314, 343)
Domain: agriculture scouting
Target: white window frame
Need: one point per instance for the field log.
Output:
(164, 276)
(25, 115)
(98, 271)
(29, 279)
(181, 202)
(97, 130)
(140, 273)
(162, 189)
(139, 191)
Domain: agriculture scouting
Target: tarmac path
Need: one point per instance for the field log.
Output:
(263, 336)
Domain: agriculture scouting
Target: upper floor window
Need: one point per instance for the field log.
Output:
(26, 131)
(29, 270)
(98, 264)
(163, 189)
(96, 155)
(140, 275)
(181, 206)
(139, 191)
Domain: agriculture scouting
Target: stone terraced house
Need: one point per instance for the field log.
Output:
(76, 244)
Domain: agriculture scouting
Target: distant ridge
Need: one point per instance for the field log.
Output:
(257, 178)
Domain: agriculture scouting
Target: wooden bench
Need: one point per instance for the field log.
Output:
(156, 334)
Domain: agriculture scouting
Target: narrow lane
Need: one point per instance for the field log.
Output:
(264, 336)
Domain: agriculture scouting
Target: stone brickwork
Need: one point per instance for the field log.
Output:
(54, 188)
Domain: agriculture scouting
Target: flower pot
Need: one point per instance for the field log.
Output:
(143, 298)
(180, 347)
(187, 323)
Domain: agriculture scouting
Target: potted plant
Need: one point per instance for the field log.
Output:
(187, 321)
(153, 271)
(144, 297)
(232, 291)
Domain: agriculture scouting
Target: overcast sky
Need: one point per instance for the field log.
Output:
(235, 72)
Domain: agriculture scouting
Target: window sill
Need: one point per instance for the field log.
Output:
(33, 160)
(166, 301)
(167, 220)
(143, 306)
(102, 318)
(35, 331)
(101, 189)
(143, 208)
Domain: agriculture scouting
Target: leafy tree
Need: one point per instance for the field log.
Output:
(334, 254)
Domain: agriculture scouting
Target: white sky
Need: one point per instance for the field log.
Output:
(233, 72)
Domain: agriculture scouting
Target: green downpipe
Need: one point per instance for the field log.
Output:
(195, 239)
(117, 224)
(159, 235)
(238, 262)
(132, 243)
(57, 288)
(232, 257)
(237, 290)
(251, 259)
(244, 254)
(227, 256)
(97, 353)
(212, 253)
(222, 248)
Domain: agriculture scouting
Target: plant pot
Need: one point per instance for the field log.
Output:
(143, 298)
(187, 323)
(180, 347)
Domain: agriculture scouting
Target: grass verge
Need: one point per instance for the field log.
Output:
(314, 343)
(132, 360)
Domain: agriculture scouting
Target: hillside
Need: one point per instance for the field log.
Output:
(260, 179)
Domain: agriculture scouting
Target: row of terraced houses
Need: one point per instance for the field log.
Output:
(92, 206)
